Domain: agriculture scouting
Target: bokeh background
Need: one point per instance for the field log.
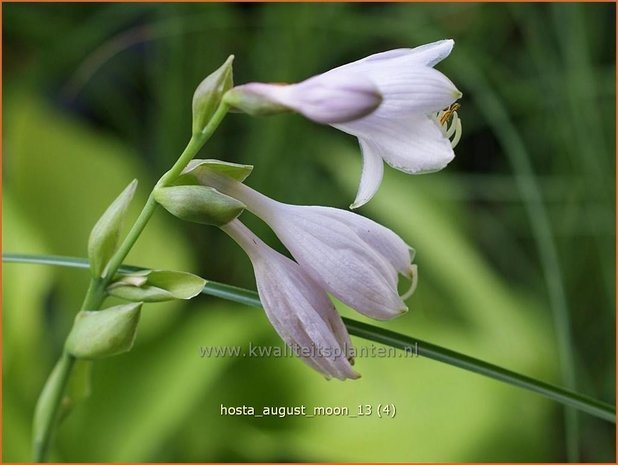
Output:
(515, 238)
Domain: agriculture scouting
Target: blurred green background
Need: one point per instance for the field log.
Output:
(516, 233)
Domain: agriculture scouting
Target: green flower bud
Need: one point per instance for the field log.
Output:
(104, 333)
(199, 204)
(105, 235)
(209, 93)
(156, 286)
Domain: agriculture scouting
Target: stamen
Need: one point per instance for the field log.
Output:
(451, 128)
(454, 129)
(457, 136)
(413, 282)
(447, 113)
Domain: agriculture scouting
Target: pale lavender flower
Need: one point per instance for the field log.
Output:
(352, 257)
(298, 308)
(409, 128)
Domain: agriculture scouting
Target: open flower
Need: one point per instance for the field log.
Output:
(352, 257)
(409, 128)
(297, 307)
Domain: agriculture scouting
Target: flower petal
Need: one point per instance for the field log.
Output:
(426, 55)
(335, 257)
(291, 301)
(332, 98)
(371, 177)
(407, 90)
(431, 54)
(377, 237)
(414, 144)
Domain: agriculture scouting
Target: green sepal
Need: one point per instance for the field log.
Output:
(209, 93)
(233, 170)
(156, 286)
(103, 333)
(105, 235)
(199, 204)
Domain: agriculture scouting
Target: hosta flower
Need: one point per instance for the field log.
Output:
(297, 307)
(352, 257)
(409, 128)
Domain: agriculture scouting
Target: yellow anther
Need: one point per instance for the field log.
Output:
(446, 114)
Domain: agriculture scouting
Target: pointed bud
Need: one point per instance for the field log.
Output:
(156, 286)
(105, 234)
(209, 93)
(199, 204)
(104, 333)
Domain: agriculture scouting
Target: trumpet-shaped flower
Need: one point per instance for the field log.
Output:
(298, 308)
(354, 258)
(409, 128)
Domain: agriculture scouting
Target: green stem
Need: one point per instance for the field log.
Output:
(48, 406)
(195, 144)
(138, 227)
(583, 403)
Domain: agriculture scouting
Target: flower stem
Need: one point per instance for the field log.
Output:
(48, 406)
(425, 349)
(195, 144)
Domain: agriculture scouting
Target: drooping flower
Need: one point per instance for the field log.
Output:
(298, 308)
(352, 257)
(409, 128)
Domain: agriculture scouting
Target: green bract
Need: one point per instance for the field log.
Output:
(209, 93)
(157, 286)
(232, 170)
(105, 234)
(199, 204)
(104, 333)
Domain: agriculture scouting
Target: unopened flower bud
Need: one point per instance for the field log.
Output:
(104, 333)
(105, 234)
(199, 204)
(209, 93)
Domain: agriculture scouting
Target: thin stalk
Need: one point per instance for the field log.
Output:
(426, 349)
